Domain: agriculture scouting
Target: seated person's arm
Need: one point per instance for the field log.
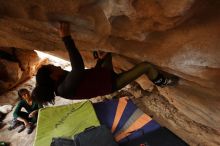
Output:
(32, 114)
(17, 111)
(23, 120)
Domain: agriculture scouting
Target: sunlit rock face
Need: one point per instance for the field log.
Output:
(16, 66)
(181, 37)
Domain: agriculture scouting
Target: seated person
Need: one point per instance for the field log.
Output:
(81, 83)
(26, 119)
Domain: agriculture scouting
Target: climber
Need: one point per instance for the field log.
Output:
(83, 83)
(25, 119)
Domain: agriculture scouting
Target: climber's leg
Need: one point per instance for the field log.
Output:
(126, 77)
(143, 68)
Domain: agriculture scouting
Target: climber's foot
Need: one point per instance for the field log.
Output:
(163, 80)
(171, 81)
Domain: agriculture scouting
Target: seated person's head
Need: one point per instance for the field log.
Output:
(46, 79)
(24, 94)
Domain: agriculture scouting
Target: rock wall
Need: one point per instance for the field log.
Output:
(179, 37)
(16, 66)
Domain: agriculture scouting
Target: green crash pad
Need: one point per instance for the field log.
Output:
(64, 121)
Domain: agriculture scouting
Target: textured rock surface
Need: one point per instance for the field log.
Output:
(16, 66)
(179, 37)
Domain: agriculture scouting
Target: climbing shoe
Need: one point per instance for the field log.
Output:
(21, 128)
(30, 129)
(14, 124)
(163, 81)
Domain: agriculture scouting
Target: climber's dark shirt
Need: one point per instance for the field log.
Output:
(83, 83)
